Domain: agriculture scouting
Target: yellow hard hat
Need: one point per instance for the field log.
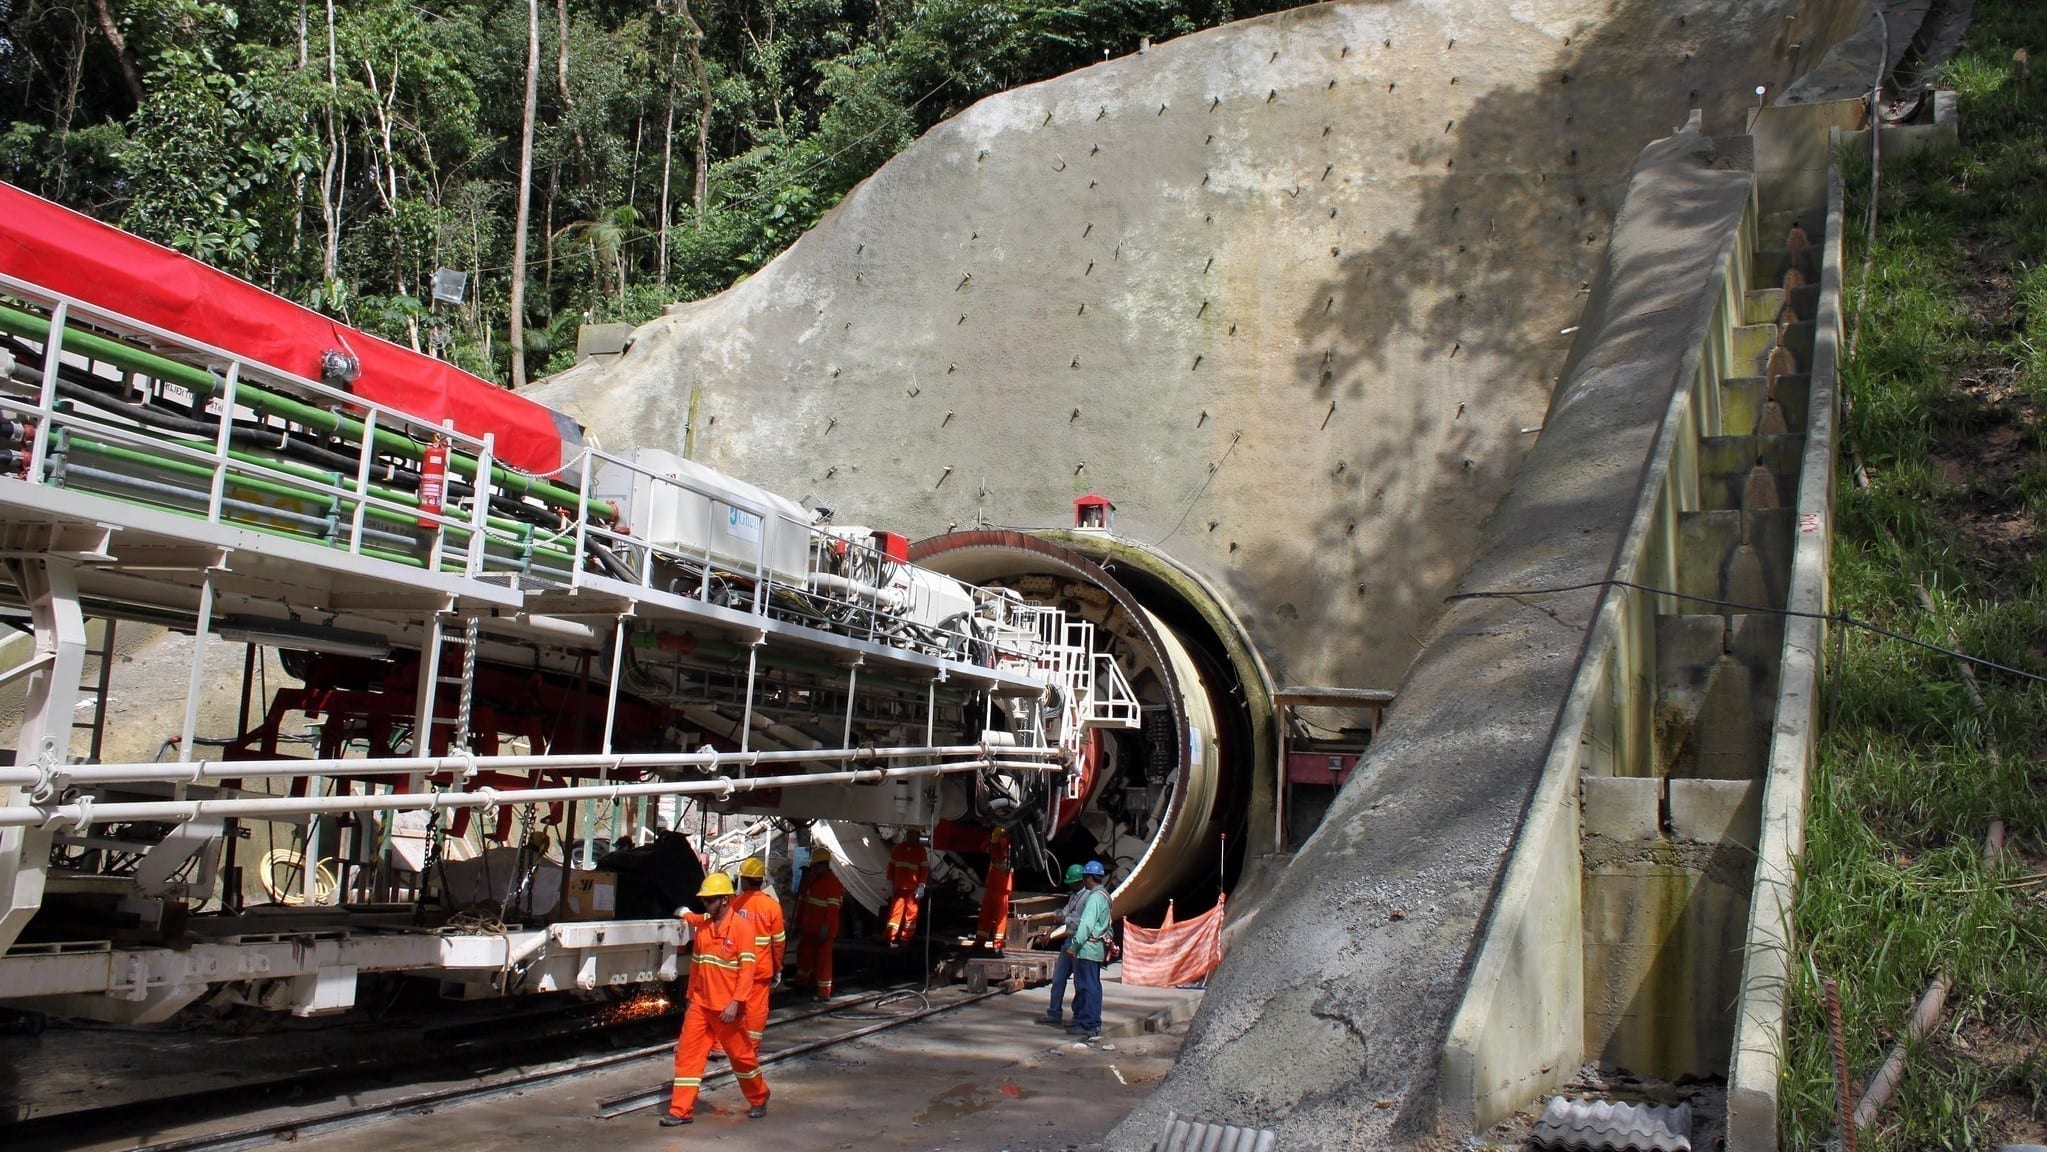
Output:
(751, 868)
(716, 884)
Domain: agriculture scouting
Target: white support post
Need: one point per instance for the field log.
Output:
(195, 677)
(746, 713)
(53, 362)
(479, 495)
(582, 525)
(221, 440)
(309, 859)
(427, 694)
(618, 642)
(362, 482)
(852, 686)
(51, 588)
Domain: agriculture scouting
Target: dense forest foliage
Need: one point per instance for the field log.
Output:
(340, 151)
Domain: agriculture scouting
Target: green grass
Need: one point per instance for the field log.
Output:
(1949, 413)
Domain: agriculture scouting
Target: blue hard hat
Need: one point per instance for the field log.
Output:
(1093, 868)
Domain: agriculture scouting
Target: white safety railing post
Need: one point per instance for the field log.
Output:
(852, 686)
(362, 481)
(479, 494)
(582, 524)
(218, 491)
(202, 630)
(746, 712)
(53, 362)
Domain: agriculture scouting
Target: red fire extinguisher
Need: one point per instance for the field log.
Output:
(433, 481)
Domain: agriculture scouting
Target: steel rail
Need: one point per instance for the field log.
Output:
(268, 1133)
(200, 771)
(84, 812)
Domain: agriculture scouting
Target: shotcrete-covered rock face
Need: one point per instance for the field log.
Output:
(1290, 292)
(1294, 294)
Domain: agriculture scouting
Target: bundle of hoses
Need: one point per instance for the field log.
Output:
(265, 440)
(525, 512)
(204, 386)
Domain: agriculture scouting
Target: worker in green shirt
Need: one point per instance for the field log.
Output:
(1089, 948)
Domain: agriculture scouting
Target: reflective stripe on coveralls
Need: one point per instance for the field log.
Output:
(724, 967)
(769, 941)
(817, 926)
(909, 867)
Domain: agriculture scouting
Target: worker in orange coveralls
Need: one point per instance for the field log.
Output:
(722, 972)
(995, 895)
(909, 867)
(817, 924)
(770, 940)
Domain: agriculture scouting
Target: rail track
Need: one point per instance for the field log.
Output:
(292, 1124)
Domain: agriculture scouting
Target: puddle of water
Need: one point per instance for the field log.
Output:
(962, 1100)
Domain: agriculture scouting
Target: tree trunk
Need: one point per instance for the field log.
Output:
(298, 179)
(667, 163)
(702, 76)
(334, 173)
(561, 72)
(72, 76)
(111, 29)
(554, 179)
(517, 333)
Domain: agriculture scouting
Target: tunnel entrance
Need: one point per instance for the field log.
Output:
(1177, 802)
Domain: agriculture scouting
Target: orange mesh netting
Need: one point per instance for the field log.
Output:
(1181, 952)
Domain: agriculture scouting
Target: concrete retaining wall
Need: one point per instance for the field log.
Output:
(1650, 887)
(1661, 324)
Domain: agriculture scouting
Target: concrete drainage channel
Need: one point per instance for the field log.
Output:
(1642, 928)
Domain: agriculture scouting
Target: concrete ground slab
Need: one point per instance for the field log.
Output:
(982, 1077)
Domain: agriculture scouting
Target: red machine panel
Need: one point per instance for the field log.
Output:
(65, 252)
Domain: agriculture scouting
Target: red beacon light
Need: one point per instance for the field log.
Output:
(1093, 513)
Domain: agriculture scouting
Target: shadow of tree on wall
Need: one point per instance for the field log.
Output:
(1494, 264)
(1481, 286)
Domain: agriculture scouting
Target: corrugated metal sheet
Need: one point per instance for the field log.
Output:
(1604, 1126)
(1183, 1135)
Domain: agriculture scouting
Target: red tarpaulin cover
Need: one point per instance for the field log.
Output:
(76, 256)
(1173, 953)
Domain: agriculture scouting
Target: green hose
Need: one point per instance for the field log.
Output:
(32, 327)
(456, 535)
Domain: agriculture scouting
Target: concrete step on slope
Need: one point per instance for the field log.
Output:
(1716, 685)
(1774, 225)
(1719, 560)
(1742, 399)
(1766, 305)
(1728, 476)
(1755, 343)
(1768, 265)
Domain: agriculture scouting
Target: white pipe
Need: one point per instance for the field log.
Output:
(82, 813)
(203, 770)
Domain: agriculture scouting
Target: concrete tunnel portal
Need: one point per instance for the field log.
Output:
(1176, 802)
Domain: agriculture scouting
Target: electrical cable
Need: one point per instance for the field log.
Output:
(1235, 438)
(1831, 617)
